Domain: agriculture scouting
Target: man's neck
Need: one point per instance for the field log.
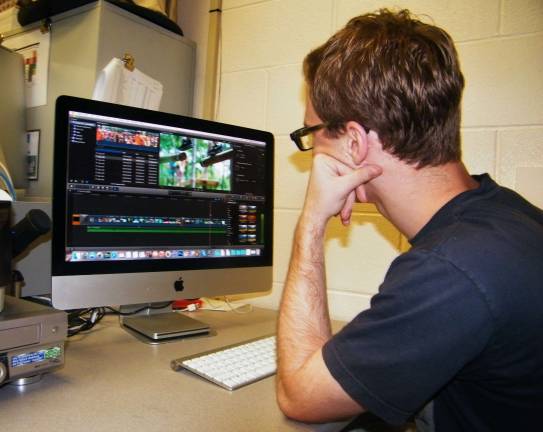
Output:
(409, 198)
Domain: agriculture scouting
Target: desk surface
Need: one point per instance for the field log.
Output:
(111, 381)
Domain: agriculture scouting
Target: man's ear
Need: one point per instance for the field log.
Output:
(357, 142)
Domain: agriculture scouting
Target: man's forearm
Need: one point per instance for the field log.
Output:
(306, 390)
(304, 323)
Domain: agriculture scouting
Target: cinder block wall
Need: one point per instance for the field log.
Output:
(500, 43)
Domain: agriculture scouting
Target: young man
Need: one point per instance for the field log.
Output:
(455, 335)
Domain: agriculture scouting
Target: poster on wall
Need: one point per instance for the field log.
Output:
(34, 47)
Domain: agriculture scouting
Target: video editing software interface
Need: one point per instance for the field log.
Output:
(142, 191)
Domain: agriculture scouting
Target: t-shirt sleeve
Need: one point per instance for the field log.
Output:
(428, 320)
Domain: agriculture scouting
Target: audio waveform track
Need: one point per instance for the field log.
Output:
(165, 230)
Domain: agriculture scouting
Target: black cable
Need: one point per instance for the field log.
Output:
(43, 300)
(80, 320)
(118, 312)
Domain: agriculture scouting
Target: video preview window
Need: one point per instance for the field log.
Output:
(196, 163)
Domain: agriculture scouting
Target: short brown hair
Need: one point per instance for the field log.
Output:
(397, 76)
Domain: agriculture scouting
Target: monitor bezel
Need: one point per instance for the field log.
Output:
(61, 267)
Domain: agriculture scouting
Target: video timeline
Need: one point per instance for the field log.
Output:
(152, 254)
(150, 224)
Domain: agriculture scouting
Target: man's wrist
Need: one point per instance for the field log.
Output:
(313, 223)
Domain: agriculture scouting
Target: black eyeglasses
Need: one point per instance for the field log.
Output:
(303, 137)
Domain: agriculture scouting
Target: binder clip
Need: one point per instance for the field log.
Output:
(129, 62)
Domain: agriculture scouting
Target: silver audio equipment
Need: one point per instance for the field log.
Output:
(31, 340)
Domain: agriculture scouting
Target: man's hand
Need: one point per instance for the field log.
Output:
(332, 188)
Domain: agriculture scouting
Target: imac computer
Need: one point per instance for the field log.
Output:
(150, 207)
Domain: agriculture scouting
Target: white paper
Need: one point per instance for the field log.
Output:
(116, 84)
(108, 83)
(34, 47)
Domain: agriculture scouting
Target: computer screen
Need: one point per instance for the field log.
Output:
(151, 206)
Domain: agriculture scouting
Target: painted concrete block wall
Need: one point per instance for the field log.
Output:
(500, 43)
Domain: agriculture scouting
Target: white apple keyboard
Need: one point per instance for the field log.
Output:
(233, 366)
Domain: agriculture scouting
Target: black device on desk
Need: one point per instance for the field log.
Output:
(150, 207)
